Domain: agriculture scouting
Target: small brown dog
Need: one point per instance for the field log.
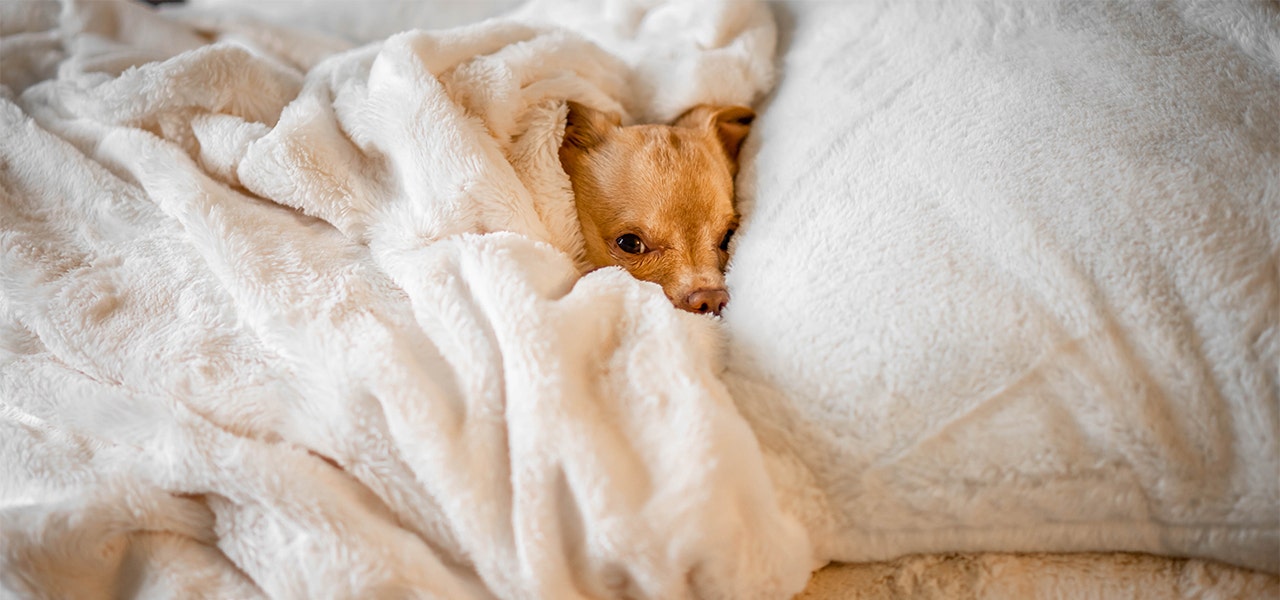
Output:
(657, 200)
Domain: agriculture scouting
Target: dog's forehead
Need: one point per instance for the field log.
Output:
(684, 166)
(667, 146)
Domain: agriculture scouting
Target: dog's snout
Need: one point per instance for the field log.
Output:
(706, 301)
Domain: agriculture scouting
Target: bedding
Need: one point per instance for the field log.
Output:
(288, 318)
(1037, 302)
(293, 303)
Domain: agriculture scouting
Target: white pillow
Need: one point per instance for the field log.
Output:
(1007, 278)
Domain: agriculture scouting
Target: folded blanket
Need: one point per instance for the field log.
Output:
(283, 317)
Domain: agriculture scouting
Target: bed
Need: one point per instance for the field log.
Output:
(292, 303)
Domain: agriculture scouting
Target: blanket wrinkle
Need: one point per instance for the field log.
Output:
(349, 314)
(333, 337)
(679, 54)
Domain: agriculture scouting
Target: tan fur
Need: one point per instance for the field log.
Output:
(671, 185)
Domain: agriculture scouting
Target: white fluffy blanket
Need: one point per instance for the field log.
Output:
(264, 334)
(279, 316)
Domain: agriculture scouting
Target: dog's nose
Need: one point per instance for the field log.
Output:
(706, 301)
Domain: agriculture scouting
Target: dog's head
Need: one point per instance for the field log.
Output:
(657, 200)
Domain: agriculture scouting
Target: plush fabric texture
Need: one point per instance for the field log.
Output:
(1009, 278)
(288, 318)
(297, 310)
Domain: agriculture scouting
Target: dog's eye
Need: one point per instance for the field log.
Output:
(724, 244)
(630, 243)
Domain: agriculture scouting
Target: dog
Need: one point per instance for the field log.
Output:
(658, 200)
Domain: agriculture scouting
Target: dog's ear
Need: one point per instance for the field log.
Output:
(731, 125)
(587, 126)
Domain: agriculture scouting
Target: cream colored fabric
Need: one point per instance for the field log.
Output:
(287, 318)
(1008, 278)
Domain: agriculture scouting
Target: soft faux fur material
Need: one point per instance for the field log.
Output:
(280, 316)
(291, 321)
(1017, 287)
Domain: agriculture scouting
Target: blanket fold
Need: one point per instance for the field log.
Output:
(315, 326)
